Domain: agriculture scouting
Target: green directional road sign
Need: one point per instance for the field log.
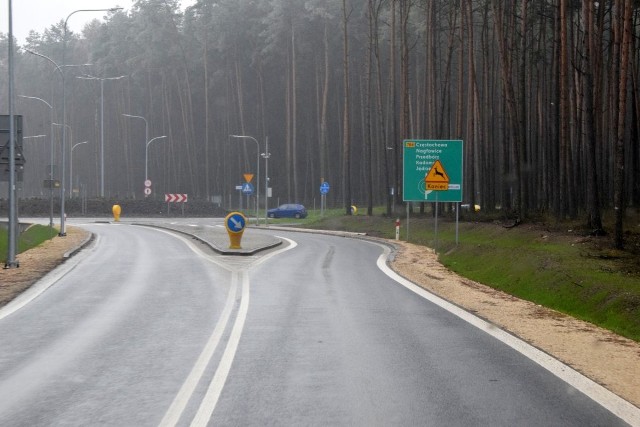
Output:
(432, 170)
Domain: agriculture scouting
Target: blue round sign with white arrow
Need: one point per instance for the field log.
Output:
(324, 187)
(235, 222)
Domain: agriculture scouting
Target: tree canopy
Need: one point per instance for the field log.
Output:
(544, 94)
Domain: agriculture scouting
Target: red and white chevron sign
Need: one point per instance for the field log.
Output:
(175, 198)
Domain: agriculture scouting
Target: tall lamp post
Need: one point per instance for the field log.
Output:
(258, 171)
(146, 155)
(102, 79)
(51, 159)
(64, 127)
(266, 156)
(73, 147)
(147, 142)
(146, 139)
(62, 232)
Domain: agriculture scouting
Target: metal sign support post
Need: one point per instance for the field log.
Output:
(408, 203)
(436, 244)
(433, 166)
(457, 222)
(13, 226)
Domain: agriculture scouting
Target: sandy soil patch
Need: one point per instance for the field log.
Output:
(37, 262)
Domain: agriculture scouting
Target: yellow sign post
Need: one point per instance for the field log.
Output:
(235, 223)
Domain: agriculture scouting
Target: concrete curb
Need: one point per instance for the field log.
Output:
(213, 246)
(90, 238)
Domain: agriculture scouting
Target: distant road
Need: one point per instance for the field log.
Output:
(146, 330)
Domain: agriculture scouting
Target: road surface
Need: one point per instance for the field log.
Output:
(145, 329)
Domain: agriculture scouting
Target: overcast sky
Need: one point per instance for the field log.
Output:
(40, 14)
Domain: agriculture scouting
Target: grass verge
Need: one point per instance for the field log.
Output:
(30, 238)
(559, 268)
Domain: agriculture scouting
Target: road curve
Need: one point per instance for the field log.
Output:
(148, 330)
(331, 340)
(111, 342)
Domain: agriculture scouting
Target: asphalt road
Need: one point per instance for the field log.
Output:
(145, 329)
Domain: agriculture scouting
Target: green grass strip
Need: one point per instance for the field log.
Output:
(30, 238)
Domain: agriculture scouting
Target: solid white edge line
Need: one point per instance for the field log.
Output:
(265, 258)
(208, 404)
(173, 414)
(609, 400)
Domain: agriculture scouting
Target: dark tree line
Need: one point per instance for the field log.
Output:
(544, 93)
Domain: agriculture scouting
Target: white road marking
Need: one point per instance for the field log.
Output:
(612, 402)
(176, 409)
(208, 404)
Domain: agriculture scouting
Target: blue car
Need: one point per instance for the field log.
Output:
(289, 210)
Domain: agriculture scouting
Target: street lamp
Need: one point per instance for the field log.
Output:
(258, 172)
(146, 155)
(71, 166)
(64, 111)
(146, 139)
(102, 79)
(62, 232)
(64, 127)
(266, 156)
(147, 142)
(51, 160)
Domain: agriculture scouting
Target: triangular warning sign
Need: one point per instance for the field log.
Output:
(437, 173)
(437, 178)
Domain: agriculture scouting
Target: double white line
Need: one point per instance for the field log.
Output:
(210, 400)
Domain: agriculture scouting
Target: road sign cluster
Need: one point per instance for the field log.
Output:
(432, 170)
(147, 187)
(175, 198)
(247, 188)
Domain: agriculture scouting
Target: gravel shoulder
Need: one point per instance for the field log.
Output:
(606, 358)
(37, 262)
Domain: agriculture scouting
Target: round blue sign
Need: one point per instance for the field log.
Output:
(324, 188)
(235, 222)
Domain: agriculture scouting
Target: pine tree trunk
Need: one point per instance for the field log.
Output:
(626, 16)
(346, 142)
(594, 221)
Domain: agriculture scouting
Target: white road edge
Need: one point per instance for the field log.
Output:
(612, 402)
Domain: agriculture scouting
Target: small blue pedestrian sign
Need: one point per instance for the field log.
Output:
(324, 188)
(235, 222)
(247, 188)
